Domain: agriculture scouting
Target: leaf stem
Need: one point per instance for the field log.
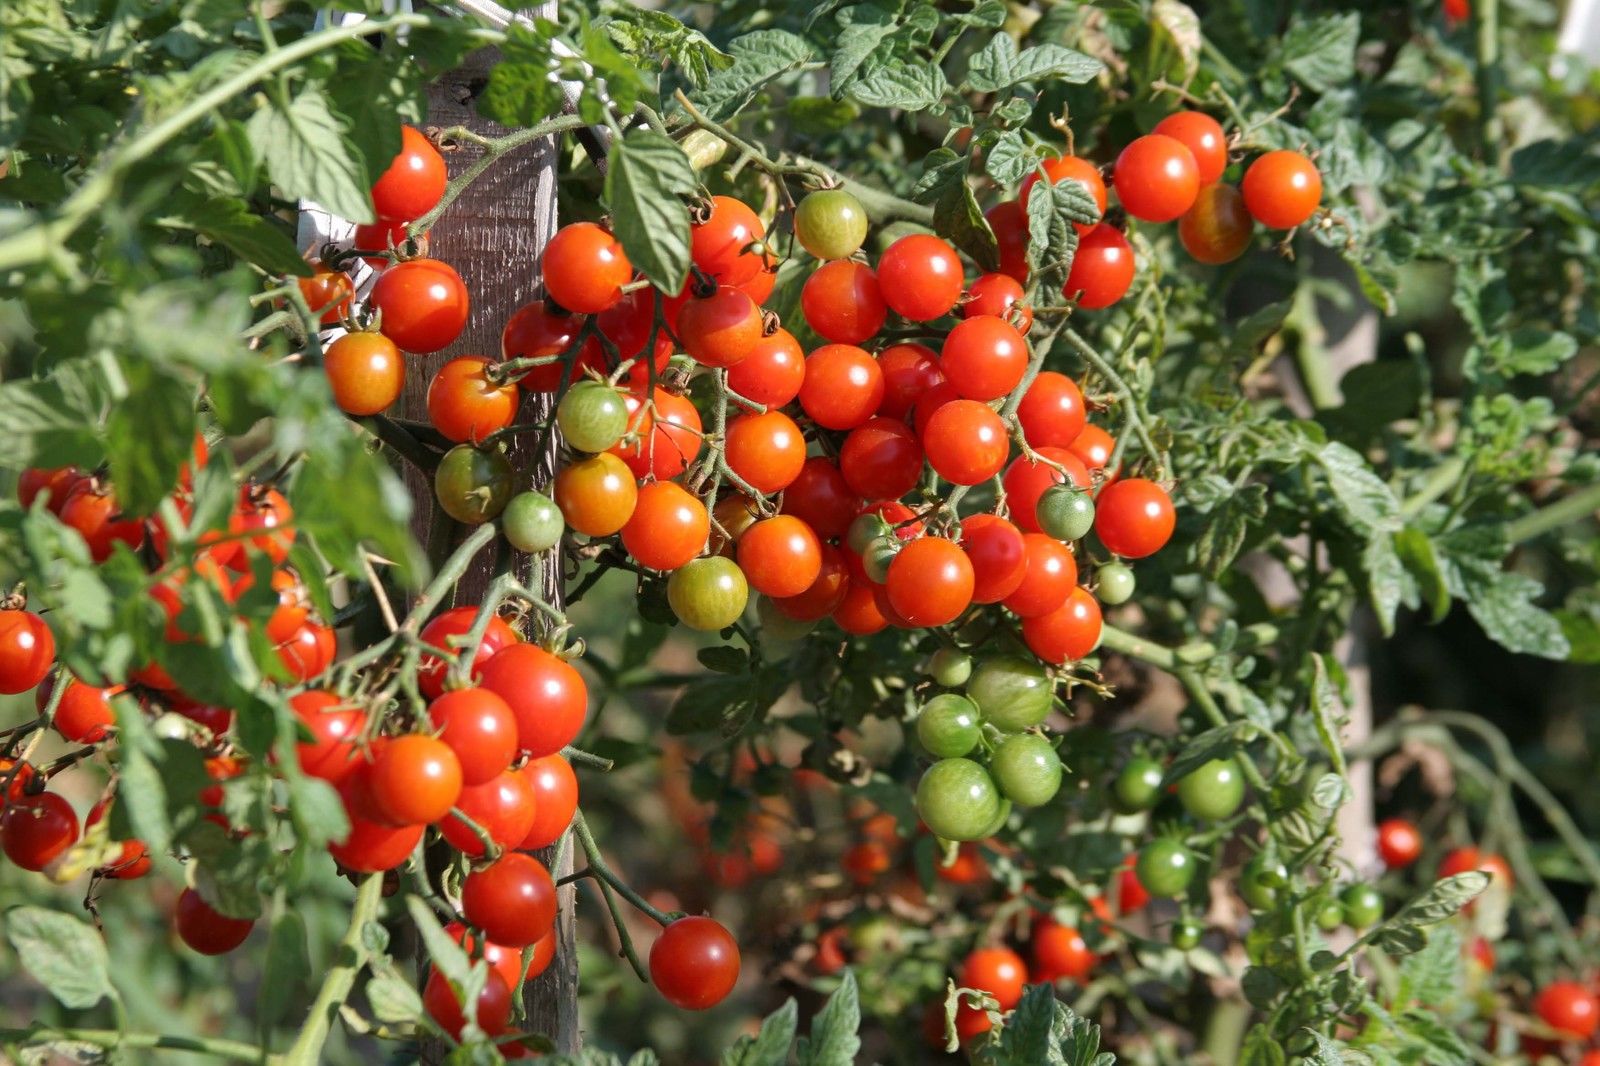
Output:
(1581, 504)
(349, 961)
(111, 1038)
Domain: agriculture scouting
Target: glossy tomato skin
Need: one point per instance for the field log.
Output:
(1103, 269)
(630, 323)
(662, 443)
(721, 329)
(84, 714)
(414, 182)
(998, 971)
(999, 295)
(1156, 178)
(668, 527)
(503, 808)
(843, 302)
(204, 929)
(772, 372)
(966, 444)
(366, 372)
(1165, 867)
(1399, 843)
(930, 582)
(596, 495)
(94, 512)
(1068, 168)
(1569, 1008)
(555, 790)
(327, 293)
(473, 484)
(1203, 136)
(908, 371)
(1071, 631)
(1025, 481)
(371, 847)
(548, 697)
(1217, 229)
(780, 556)
(822, 497)
(1059, 951)
(767, 450)
(538, 331)
(881, 459)
(585, 268)
(824, 595)
(1052, 410)
(1010, 224)
(857, 612)
(1050, 575)
(309, 651)
(479, 727)
(984, 357)
(424, 305)
(830, 223)
(720, 245)
(35, 830)
(1134, 518)
(708, 594)
(843, 386)
(492, 1012)
(466, 404)
(513, 900)
(1282, 189)
(1093, 447)
(920, 277)
(414, 780)
(27, 651)
(59, 481)
(694, 963)
(432, 672)
(998, 553)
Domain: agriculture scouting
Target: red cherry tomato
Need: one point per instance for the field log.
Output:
(1463, 860)
(1203, 136)
(843, 385)
(1133, 518)
(584, 268)
(822, 497)
(1093, 447)
(59, 481)
(424, 305)
(966, 442)
(1050, 575)
(464, 403)
(327, 293)
(694, 963)
(1217, 229)
(414, 183)
(84, 715)
(548, 697)
(908, 371)
(771, 372)
(920, 277)
(414, 780)
(492, 1012)
(1569, 1008)
(366, 372)
(766, 450)
(1059, 951)
(93, 511)
(555, 790)
(1025, 481)
(1052, 411)
(825, 594)
(669, 526)
(1068, 168)
(997, 971)
(780, 556)
(721, 329)
(381, 236)
(630, 323)
(1071, 631)
(334, 726)
(1103, 269)
(1156, 178)
(206, 930)
(371, 847)
(998, 553)
(984, 357)
(930, 582)
(720, 246)
(432, 671)
(1131, 894)
(843, 303)
(999, 295)
(308, 652)
(858, 613)
(34, 830)
(662, 443)
(479, 727)
(1282, 189)
(881, 459)
(27, 651)
(932, 398)
(1399, 843)
(539, 331)
(513, 900)
(504, 808)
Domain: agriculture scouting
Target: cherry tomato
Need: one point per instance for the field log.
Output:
(708, 594)
(1217, 228)
(999, 295)
(532, 522)
(206, 930)
(824, 595)
(1282, 189)
(27, 651)
(932, 398)
(1068, 168)
(865, 861)
(1165, 868)
(660, 443)
(984, 357)
(830, 224)
(857, 612)
(366, 372)
(479, 727)
(949, 726)
(93, 511)
(759, 288)
(512, 901)
(1363, 906)
(592, 416)
(35, 829)
(908, 371)
(843, 303)
(415, 779)
(371, 847)
(920, 277)
(1569, 1008)
(58, 481)
(492, 1012)
(1093, 447)
(1463, 860)
(539, 331)
(384, 235)
(694, 963)
(1212, 791)
(1133, 518)
(1102, 270)
(555, 790)
(630, 323)
(930, 581)
(502, 807)
(1059, 951)
(766, 450)
(1137, 786)
(822, 497)
(1009, 222)
(466, 404)
(771, 372)
(327, 293)
(668, 527)
(415, 181)
(1052, 411)
(998, 553)
(439, 633)
(780, 556)
(84, 714)
(1027, 769)
(720, 330)
(596, 495)
(881, 458)
(997, 971)
(1457, 11)
(548, 697)
(1049, 577)
(1131, 895)
(1025, 482)
(1399, 843)
(966, 442)
(474, 484)
(843, 386)
(585, 268)
(1203, 136)
(424, 304)
(1071, 631)
(720, 246)
(1156, 178)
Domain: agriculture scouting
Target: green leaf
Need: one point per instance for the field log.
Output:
(957, 217)
(1432, 975)
(144, 465)
(1367, 503)
(1403, 934)
(1387, 580)
(141, 790)
(770, 1046)
(393, 999)
(1530, 350)
(1321, 52)
(55, 421)
(1417, 555)
(834, 1040)
(1009, 159)
(319, 816)
(895, 83)
(1261, 1047)
(1259, 327)
(759, 59)
(1501, 601)
(308, 155)
(862, 28)
(64, 954)
(647, 176)
(288, 969)
(443, 951)
(998, 65)
(230, 223)
(1218, 742)
(819, 116)
(1553, 164)
(521, 91)
(1029, 1035)
(1375, 395)
(724, 659)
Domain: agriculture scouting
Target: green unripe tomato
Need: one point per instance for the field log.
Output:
(876, 559)
(950, 667)
(1138, 786)
(1362, 905)
(1186, 933)
(1012, 693)
(830, 224)
(1064, 512)
(864, 530)
(1165, 868)
(779, 626)
(998, 821)
(592, 416)
(949, 726)
(1260, 881)
(532, 522)
(473, 484)
(1116, 584)
(1330, 917)
(708, 593)
(1027, 769)
(1212, 791)
(958, 799)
